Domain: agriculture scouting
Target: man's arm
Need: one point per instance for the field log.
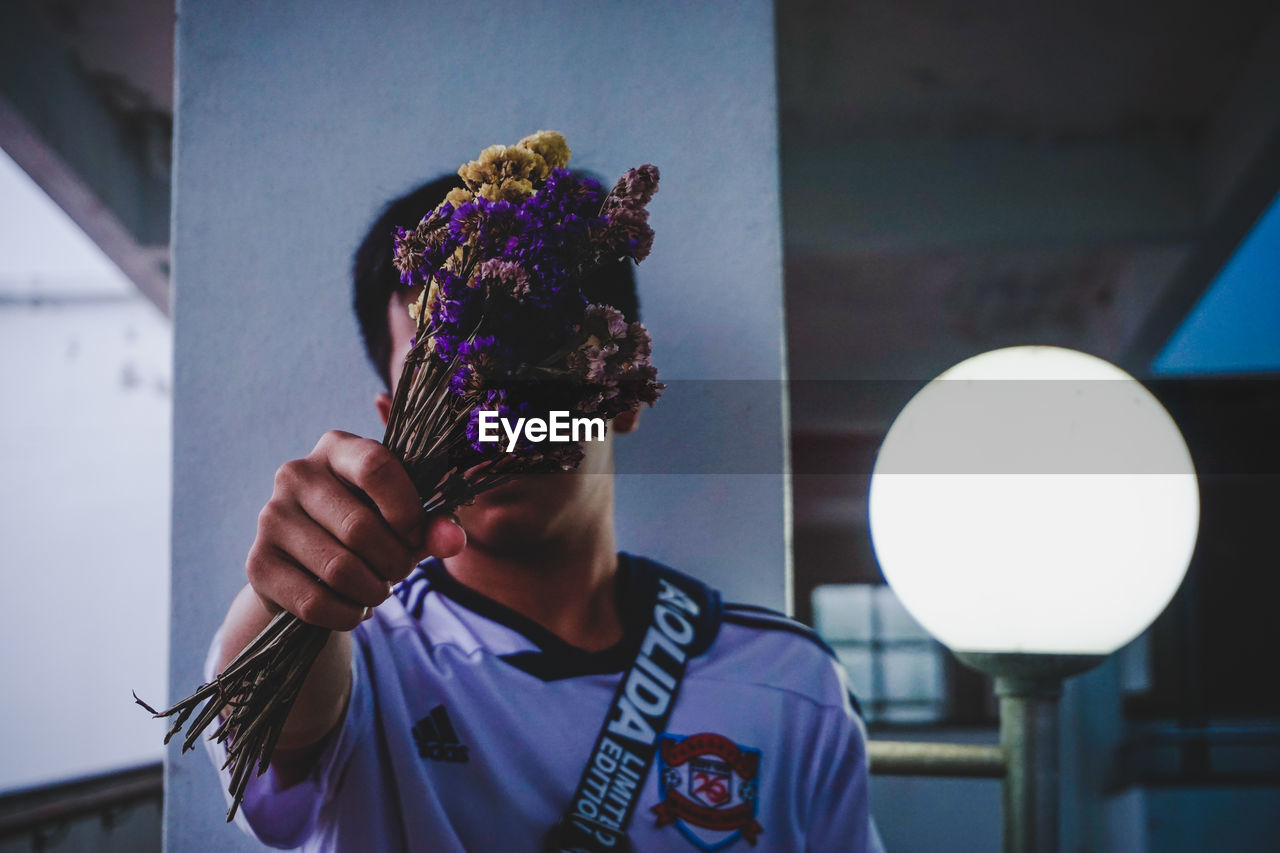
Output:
(322, 701)
(342, 526)
(840, 818)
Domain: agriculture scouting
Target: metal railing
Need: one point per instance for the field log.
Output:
(43, 812)
(950, 760)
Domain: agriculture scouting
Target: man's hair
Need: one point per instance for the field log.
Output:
(376, 279)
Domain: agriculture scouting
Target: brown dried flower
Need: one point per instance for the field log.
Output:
(504, 277)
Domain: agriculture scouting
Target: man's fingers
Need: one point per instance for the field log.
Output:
(342, 526)
(279, 580)
(368, 466)
(357, 526)
(304, 541)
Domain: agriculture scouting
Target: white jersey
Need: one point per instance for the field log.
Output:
(469, 727)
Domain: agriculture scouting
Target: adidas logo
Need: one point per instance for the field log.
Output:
(436, 738)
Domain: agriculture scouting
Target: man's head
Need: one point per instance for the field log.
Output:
(528, 509)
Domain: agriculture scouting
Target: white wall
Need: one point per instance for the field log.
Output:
(84, 500)
(296, 121)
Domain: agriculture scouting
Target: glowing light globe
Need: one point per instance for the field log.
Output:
(1034, 499)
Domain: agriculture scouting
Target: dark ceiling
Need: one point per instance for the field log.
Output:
(962, 176)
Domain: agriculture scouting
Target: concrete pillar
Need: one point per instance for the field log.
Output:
(296, 121)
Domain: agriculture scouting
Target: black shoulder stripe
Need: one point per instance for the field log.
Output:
(752, 616)
(756, 608)
(769, 620)
(857, 706)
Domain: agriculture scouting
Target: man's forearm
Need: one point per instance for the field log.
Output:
(323, 698)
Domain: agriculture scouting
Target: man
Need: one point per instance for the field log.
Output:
(462, 704)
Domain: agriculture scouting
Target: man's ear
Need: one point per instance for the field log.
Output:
(382, 403)
(626, 422)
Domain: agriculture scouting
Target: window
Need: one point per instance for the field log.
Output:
(899, 672)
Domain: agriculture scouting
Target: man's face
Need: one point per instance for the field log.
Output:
(536, 508)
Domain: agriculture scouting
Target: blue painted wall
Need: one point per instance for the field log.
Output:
(1235, 327)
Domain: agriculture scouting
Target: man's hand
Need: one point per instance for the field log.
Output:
(343, 525)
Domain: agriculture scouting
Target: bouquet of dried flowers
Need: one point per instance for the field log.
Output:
(502, 325)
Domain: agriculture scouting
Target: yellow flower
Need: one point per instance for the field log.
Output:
(509, 189)
(454, 262)
(458, 197)
(498, 163)
(550, 146)
(416, 306)
(484, 168)
(430, 297)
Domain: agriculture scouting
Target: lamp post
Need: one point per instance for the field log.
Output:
(1034, 508)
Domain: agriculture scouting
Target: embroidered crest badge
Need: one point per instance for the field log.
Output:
(708, 786)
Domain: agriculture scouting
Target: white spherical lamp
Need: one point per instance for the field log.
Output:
(1035, 500)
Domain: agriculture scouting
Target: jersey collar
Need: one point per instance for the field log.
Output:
(554, 659)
